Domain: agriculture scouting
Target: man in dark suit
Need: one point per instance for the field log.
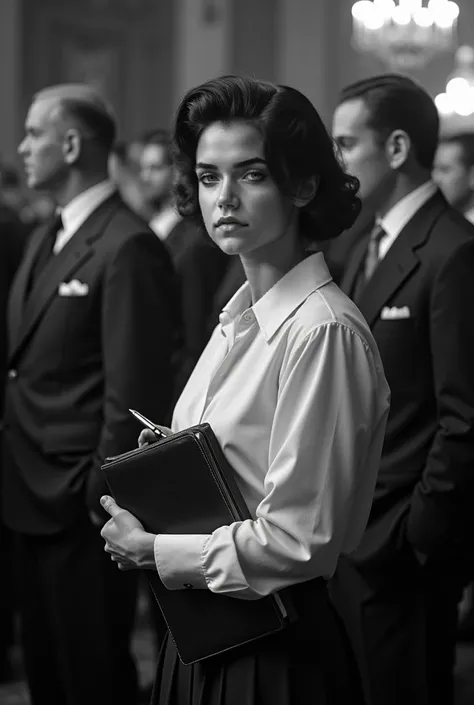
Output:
(199, 264)
(453, 171)
(91, 325)
(12, 240)
(412, 277)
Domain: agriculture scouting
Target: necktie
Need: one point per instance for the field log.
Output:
(372, 257)
(45, 251)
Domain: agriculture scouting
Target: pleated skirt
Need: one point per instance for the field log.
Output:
(311, 662)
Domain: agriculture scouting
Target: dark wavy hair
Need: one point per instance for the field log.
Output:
(296, 143)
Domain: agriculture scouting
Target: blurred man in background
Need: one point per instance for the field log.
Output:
(92, 313)
(126, 177)
(454, 172)
(412, 278)
(12, 240)
(199, 264)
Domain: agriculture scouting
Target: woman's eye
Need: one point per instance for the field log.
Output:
(255, 175)
(207, 179)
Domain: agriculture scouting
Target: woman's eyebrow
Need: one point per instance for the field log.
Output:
(238, 165)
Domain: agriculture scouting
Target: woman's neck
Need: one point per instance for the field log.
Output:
(264, 269)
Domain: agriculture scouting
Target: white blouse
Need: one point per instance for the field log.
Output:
(294, 390)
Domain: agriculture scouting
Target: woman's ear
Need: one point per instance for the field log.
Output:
(306, 191)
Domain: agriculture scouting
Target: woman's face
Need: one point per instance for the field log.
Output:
(241, 205)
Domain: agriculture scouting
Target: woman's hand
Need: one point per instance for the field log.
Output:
(147, 436)
(129, 545)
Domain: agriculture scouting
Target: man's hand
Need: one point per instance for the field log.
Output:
(129, 545)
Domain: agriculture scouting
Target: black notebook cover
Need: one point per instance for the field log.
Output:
(184, 485)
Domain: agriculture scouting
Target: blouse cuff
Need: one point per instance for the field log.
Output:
(178, 559)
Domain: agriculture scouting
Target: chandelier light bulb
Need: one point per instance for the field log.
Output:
(401, 15)
(374, 20)
(464, 104)
(456, 87)
(361, 9)
(456, 105)
(423, 17)
(443, 104)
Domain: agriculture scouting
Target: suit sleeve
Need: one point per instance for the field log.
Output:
(440, 522)
(138, 338)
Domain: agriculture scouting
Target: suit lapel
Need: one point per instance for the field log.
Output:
(59, 268)
(20, 284)
(401, 261)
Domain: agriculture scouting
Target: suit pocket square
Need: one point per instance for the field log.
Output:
(394, 313)
(73, 288)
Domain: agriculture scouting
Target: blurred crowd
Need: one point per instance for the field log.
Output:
(143, 173)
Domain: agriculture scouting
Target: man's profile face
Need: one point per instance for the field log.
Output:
(452, 175)
(156, 172)
(362, 149)
(42, 148)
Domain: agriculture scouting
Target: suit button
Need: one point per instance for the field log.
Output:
(188, 586)
(12, 374)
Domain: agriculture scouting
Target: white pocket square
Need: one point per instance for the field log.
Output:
(73, 288)
(394, 313)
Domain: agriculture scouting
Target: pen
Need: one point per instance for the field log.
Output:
(149, 424)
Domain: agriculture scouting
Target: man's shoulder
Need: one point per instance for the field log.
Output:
(126, 226)
(449, 234)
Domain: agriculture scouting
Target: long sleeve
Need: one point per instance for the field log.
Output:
(139, 319)
(323, 453)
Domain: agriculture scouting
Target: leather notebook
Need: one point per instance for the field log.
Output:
(183, 484)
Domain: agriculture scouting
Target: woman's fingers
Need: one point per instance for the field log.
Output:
(145, 437)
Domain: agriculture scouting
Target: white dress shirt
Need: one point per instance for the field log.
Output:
(79, 209)
(164, 222)
(402, 212)
(294, 390)
(469, 215)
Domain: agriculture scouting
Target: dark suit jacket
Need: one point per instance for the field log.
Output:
(12, 241)
(338, 251)
(77, 363)
(200, 266)
(425, 489)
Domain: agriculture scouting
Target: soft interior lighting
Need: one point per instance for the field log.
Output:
(456, 87)
(401, 16)
(443, 104)
(374, 20)
(361, 9)
(458, 101)
(423, 17)
(464, 104)
(445, 14)
(453, 9)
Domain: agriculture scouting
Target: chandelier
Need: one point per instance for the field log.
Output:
(458, 100)
(405, 35)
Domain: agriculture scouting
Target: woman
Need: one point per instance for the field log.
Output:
(292, 385)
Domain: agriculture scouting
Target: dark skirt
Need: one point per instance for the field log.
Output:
(311, 662)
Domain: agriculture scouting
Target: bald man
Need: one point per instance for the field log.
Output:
(92, 318)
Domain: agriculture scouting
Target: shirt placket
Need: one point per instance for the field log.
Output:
(238, 333)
